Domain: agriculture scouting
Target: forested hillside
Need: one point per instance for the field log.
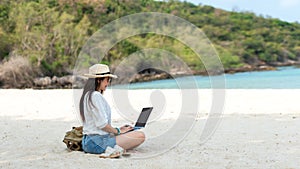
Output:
(43, 37)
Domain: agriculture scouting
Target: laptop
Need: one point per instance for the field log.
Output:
(142, 120)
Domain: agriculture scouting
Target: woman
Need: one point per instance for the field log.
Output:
(96, 116)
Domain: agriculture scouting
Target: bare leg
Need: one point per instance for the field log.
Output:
(130, 140)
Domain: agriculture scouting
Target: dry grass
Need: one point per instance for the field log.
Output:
(16, 72)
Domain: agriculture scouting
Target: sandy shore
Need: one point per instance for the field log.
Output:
(258, 129)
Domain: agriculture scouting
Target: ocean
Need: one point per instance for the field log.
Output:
(282, 78)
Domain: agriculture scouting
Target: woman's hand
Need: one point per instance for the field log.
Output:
(125, 128)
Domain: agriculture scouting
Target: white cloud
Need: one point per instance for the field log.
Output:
(289, 3)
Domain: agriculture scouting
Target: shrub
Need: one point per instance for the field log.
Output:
(16, 72)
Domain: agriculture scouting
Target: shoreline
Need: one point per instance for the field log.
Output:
(67, 82)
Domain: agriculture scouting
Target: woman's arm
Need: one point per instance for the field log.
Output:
(108, 128)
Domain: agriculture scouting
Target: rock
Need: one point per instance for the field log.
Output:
(65, 80)
(42, 82)
(54, 79)
(78, 82)
(265, 67)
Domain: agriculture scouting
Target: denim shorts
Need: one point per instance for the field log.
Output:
(96, 144)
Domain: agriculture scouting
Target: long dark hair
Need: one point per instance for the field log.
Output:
(91, 85)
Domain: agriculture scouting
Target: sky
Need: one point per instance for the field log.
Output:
(286, 10)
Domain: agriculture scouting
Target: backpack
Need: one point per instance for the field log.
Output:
(73, 139)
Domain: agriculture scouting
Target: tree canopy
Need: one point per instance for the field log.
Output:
(51, 33)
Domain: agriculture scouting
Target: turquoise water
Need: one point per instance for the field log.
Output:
(283, 78)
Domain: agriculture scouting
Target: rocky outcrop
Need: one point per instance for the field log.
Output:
(70, 81)
(286, 63)
(249, 68)
(149, 77)
(67, 82)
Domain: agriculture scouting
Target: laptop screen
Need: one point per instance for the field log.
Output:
(142, 120)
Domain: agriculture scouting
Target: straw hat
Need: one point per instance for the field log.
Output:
(99, 70)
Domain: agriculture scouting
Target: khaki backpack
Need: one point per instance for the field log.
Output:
(73, 139)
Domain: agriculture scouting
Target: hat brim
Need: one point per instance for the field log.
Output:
(96, 76)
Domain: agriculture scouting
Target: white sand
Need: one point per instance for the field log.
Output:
(258, 129)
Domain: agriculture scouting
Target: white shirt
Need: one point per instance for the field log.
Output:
(97, 116)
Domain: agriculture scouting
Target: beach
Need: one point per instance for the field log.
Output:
(258, 128)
